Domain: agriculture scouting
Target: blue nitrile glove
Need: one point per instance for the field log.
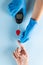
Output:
(17, 5)
(24, 36)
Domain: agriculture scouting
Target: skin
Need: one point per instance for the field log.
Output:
(20, 55)
(37, 9)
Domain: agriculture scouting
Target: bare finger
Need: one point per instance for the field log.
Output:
(23, 51)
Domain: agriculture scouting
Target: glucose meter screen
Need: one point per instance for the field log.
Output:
(19, 17)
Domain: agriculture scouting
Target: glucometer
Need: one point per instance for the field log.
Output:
(17, 8)
(19, 17)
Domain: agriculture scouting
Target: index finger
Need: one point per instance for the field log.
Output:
(22, 48)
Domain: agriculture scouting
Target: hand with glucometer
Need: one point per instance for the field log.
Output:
(17, 9)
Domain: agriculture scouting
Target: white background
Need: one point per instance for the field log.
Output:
(8, 43)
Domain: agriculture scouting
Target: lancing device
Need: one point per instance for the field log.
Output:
(17, 8)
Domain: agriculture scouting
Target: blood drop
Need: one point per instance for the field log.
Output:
(17, 32)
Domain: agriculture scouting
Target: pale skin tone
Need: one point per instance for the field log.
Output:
(38, 7)
(20, 54)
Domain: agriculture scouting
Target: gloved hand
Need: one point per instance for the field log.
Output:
(24, 36)
(15, 6)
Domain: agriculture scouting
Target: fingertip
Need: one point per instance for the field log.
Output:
(20, 44)
(18, 41)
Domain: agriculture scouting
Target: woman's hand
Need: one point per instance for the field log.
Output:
(21, 56)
